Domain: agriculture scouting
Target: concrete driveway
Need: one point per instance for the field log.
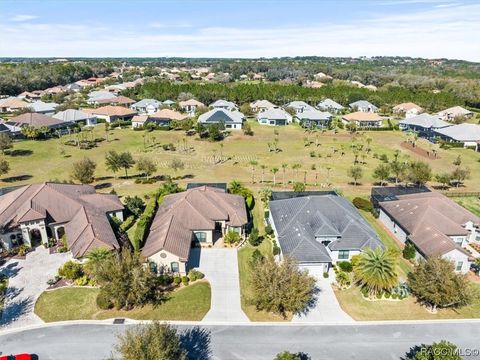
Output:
(326, 308)
(220, 267)
(27, 280)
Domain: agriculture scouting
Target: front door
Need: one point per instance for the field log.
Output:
(35, 237)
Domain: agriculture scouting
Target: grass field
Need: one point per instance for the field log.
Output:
(471, 203)
(356, 306)
(189, 303)
(34, 161)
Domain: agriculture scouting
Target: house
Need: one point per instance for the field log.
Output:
(455, 112)
(139, 120)
(314, 118)
(199, 215)
(37, 121)
(76, 116)
(165, 116)
(466, 133)
(299, 106)
(191, 106)
(119, 100)
(43, 107)
(320, 230)
(408, 109)
(261, 105)
(231, 119)
(95, 96)
(33, 214)
(168, 102)
(224, 104)
(424, 124)
(12, 104)
(363, 106)
(330, 105)
(363, 119)
(55, 90)
(73, 87)
(274, 117)
(29, 96)
(434, 224)
(111, 113)
(147, 106)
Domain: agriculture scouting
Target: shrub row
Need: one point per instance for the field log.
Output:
(128, 223)
(144, 222)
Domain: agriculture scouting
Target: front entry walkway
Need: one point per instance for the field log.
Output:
(220, 267)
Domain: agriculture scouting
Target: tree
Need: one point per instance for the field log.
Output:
(435, 282)
(409, 251)
(94, 258)
(113, 161)
(274, 170)
(84, 170)
(177, 164)
(30, 132)
(150, 341)
(443, 179)
(355, 172)
(247, 129)
(459, 175)
(419, 172)
(263, 167)
(442, 350)
(146, 166)
(296, 167)
(457, 161)
(376, 270)
(298, 187)
(126, 161)
(284, 168)
(382, 173)
(5, 142)
(4, 167)
(287, 355)
(280, 287)
(134, 205)
(398, 169)
(232, 237)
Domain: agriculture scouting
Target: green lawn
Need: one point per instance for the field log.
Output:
(357, 307)
(189, 303)
(471, 203)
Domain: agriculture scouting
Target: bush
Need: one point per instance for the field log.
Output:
(53, 280)
(364, 291)
(194, 275)
(185, 280)
(143, 224)
(23, 249)
(177, 280)
(254, 239)
(71, 270)
(232, 237)
(362, 204)
(257, 256)
(269, 230)
(165, 280)
(82, 281)
(325, 275)
(103, 302)
(128, 223)
(409, 251)
(345, 266)
(276, 250)
(394, 296)
(379, 295)
(387, 295)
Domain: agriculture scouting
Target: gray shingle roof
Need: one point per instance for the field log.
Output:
(217, 115)
(40, 106)
(72, 115)
(426, 121)
(275, 114)
(329, 104)
(363, 104)
(314, 115)
(145, 102)
(461, 132)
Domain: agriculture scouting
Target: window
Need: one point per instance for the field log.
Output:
(343, 255)
(174, 267)
(201, 236)
(459, 266)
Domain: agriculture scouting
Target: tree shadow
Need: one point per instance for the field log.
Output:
(17, 178)
(104, 185)
(11, 270)
(312, 303)
(16, 308)
(19, 152)
(411, 352)
(196, 343)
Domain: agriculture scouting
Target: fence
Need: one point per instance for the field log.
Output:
(461, 194)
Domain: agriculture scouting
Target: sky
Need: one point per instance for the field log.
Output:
(240, 28)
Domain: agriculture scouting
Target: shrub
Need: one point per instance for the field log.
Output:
(345, 266)
(82, 281)
(276, 250)
(194, 275)
(387, 295)
(127, 224)
(185, 280)
(362, 204)
(364, 291)
(379, 295)
(71, 270)
(23, 249)
(409, 251)
(394, 296)
(257, 256)
(164, 280)
(177, 280)
(53, 280)
(269, 230)
(325, 275)
(254, 239)
(143, 223)
(232, 237)
(103, 302)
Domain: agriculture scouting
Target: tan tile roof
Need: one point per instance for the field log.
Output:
(36, 120)
(191, 102)
(13, 103)
(194, 209)
(122, 100)
(168, 114)
(111, 110)
(407, 106)
(362, 116)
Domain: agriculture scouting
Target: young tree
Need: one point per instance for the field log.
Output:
(398, 169)
(409, 251)
(134, 205)
(376, 270)
(253, 165)
(382, 173)
(177, 164)
(5, 142)
(126, 161)
(459, 175)
(263, 167)
(444, 179)
(296, 167)
(284, 168)
(356, 173)
(457, 161)
(94, 258)
(280, 287)
(274, 170)
(4, 167)
(419, 173)
(150, 341)
(113, 162)
(146, 166)
(30, 132)
(84, 170)
(298, 187)
(435, 282)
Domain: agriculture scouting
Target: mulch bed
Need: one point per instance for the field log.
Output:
(59, 284)
(419, 151)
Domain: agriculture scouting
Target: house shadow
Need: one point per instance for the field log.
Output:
(11, 179)
(194, 258)
(104, 185)
(196, 343)
(11, 270)
(316, 292)
(20, 152)
(16, 308)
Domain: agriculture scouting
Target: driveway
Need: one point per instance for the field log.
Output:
(27, 280)
(326, 308)
(220, 267)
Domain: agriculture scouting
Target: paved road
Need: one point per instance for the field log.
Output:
(385, 341)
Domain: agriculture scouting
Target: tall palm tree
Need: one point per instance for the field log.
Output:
(253, 164)
(284, 168)
(274, 170)
(376, 269)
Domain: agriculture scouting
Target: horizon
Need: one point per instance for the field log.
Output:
(427, 29)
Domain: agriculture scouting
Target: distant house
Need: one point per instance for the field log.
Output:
(139, 120)
(299, 106)
(43, 107)
(165, 116)
(320, 230)
(453, 112)
(147, 106)
(73, 87)
(12, 104)
(168, 102)
(112, 113)
(261, 105)
(466, 133)
(37, 121)
(29, 96)
(274, 117)
(200, 215)
(33, 214)
(224, 104)
(424, 124)
(95, 96)
(363, 119)
(119, 100)
(434, 224)
(314, 118)
(76, 116)
(330, 105)
(363, 106)
(190, 106)
(409, 109)
(231, 119)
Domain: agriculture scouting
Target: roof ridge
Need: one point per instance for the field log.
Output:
(25, 189)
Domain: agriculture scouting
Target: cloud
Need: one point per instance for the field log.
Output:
(23, 17)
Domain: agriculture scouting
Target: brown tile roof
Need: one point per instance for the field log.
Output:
(168, 114)
(36, 120)
(194, 209)
(362, 116)
(191, 102)
(429, 219)
(111, 110)
(78, 206)
(407, 106)
(120, 100)
(13, 103)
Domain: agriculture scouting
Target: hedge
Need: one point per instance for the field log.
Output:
(362, 204)
(144, 222)
(128, 223)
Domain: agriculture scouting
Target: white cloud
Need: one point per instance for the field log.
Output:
(438, 32)
(23, 17)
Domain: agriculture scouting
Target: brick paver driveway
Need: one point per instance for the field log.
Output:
(27, 280)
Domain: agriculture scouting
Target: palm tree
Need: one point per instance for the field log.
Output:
(284, 167)
(253, 164)
(376, 269)
(263, 167)
(274, 170)
(96, 257)
(296, 167)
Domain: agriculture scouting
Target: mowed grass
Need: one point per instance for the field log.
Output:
(188, 303)
(471, 203)
(43, 160)
(357, 307)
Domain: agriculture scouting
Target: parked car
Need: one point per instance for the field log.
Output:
(17, 357)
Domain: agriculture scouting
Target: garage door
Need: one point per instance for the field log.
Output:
(316, 270)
